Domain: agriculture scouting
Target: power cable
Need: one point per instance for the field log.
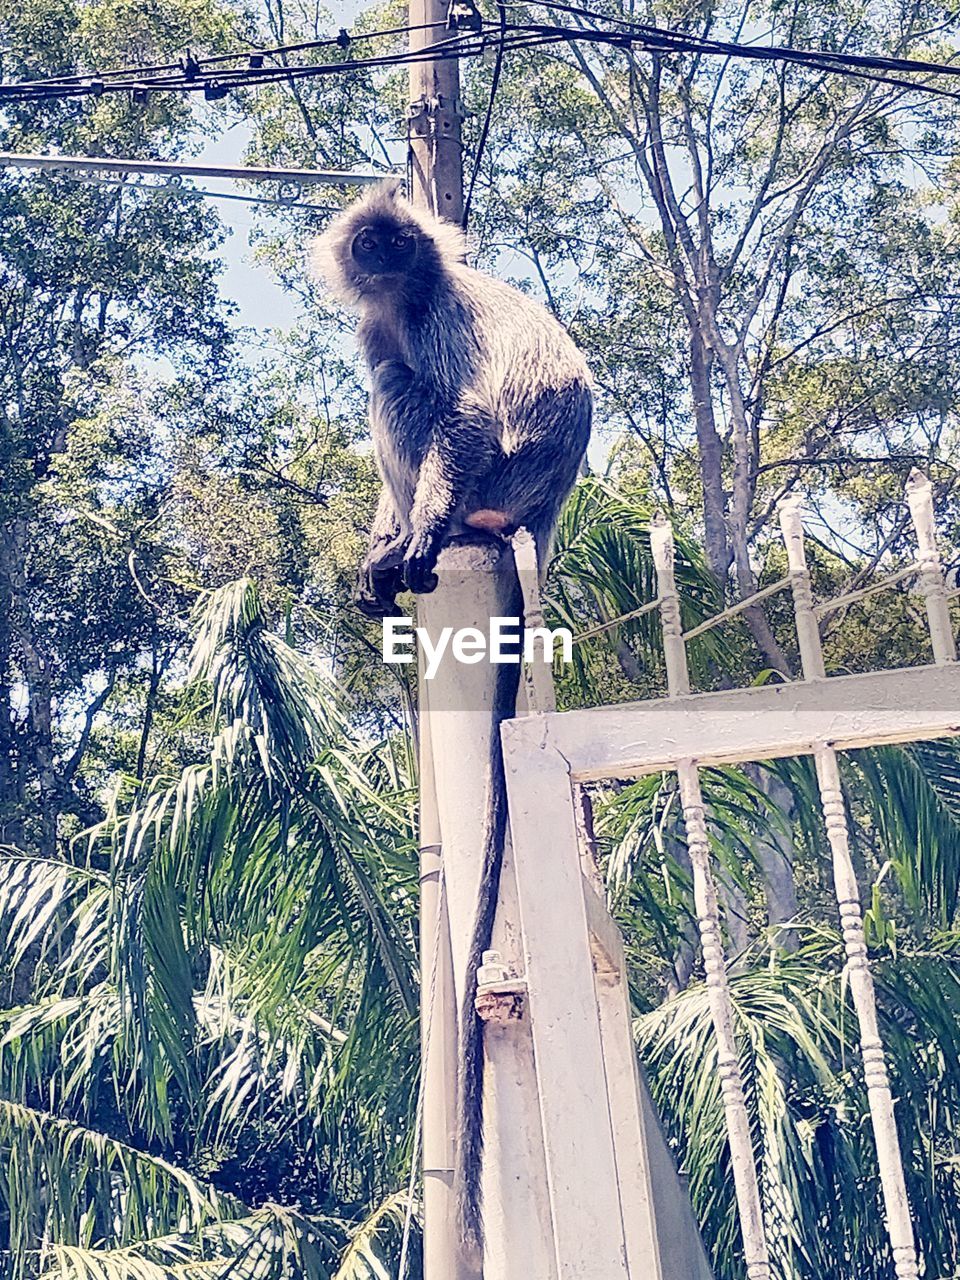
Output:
(343, 39)
(488, 118)
(189, 76)
(767, 52)
(668, 42)
(146, 81)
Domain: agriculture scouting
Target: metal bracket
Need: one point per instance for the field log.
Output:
(500, 995)
(434, 107)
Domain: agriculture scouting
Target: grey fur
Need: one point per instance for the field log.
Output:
(479, 401)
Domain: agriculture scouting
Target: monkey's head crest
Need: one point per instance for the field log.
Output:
(382, 244)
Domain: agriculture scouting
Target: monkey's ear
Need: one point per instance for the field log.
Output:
(391, 188)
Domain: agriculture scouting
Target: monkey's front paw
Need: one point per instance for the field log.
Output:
(418, 566)
(376, 590)
(374, 606)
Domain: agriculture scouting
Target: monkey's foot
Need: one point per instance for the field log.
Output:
(377, 588)
(372, 606)
(418, 565)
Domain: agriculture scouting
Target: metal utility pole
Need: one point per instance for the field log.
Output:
(436, 151)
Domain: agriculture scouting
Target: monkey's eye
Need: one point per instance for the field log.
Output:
(401, 240)
(366, 242)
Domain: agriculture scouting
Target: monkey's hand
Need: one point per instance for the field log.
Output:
(419, 563)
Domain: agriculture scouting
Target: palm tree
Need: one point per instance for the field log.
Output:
(215, 1072)
(223, 998)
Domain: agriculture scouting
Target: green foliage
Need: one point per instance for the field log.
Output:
(194, 972)
(808, 1106)
(208, 879)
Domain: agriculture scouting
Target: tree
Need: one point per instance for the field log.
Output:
(92, 279)
(222, 1009)
(210, 1050)
(691, 217)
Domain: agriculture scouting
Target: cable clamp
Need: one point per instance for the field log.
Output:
(463, 15)
(500, 994)
(432, 107)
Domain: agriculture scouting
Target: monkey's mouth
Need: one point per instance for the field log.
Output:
(377, 279)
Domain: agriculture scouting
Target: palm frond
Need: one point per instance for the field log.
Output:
(913, 794)
(602, 568)
(63, 1182)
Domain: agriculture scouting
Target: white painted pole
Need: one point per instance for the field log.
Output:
(920, 501)
(889, 1160)
(438, 1028)
(475, 586)
(745, 1180)
(518, 1236)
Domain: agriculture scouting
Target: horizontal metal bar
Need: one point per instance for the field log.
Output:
(732, 726)
(829, 606)
(734, 609)
(251, 173)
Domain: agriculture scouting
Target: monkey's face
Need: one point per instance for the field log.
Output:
(382, 249)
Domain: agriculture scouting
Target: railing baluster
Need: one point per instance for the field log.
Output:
(538, 674)
(889, 1158)
(745, 1180)
(920, 502)
(808, 628)
(674, 648)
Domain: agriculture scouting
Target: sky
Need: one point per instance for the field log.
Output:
(262, 302)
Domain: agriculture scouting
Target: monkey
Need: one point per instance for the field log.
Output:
(480, 413)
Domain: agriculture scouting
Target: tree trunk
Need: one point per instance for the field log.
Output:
(11, 816)
(711, 460)
(38, 760)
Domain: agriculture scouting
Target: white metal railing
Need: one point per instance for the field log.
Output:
(807, 614)
(549, 753)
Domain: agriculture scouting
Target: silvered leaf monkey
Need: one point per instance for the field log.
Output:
(480, 403)
(480, 410)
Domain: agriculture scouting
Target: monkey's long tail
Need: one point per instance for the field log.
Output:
(470, 1092)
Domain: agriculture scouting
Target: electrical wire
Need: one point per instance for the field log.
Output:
(177, 188)
(344, 39)
(488, 118)
(778, 52)
(669, 42)
(190, 75)
(146, 81)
